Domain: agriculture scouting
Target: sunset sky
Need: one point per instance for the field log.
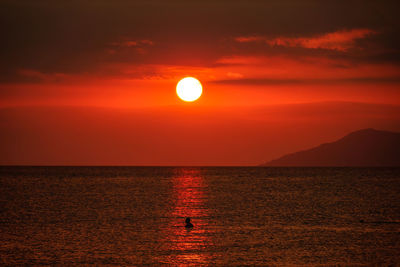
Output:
(93, 82)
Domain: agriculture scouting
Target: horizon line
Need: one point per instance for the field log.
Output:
(200, 166)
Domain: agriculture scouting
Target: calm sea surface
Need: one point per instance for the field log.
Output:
(254, 216)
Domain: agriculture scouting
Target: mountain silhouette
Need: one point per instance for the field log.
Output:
(367, 147)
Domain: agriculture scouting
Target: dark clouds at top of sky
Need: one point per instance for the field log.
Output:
(79, 36)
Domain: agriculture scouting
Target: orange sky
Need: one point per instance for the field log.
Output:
(86, 83)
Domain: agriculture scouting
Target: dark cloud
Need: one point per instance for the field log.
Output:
(75, 36)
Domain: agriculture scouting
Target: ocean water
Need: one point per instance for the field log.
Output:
(242, 216)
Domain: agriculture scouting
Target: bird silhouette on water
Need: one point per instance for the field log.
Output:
(188, 223)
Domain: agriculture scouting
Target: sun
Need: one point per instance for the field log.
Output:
(189, 89)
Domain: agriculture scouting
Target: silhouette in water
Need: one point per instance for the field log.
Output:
(188, 223)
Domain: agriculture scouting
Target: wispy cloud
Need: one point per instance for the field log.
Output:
(342, 40)
(31, 75)
(234, 75)
(140, 46)
(339, 81)
(132, 43)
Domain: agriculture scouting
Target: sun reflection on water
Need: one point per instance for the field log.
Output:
(188, 246)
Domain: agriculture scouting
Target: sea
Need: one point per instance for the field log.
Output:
(255, 216)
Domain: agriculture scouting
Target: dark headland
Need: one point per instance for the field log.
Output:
(363, 148)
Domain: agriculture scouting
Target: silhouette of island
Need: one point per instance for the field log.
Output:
(364, 148)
